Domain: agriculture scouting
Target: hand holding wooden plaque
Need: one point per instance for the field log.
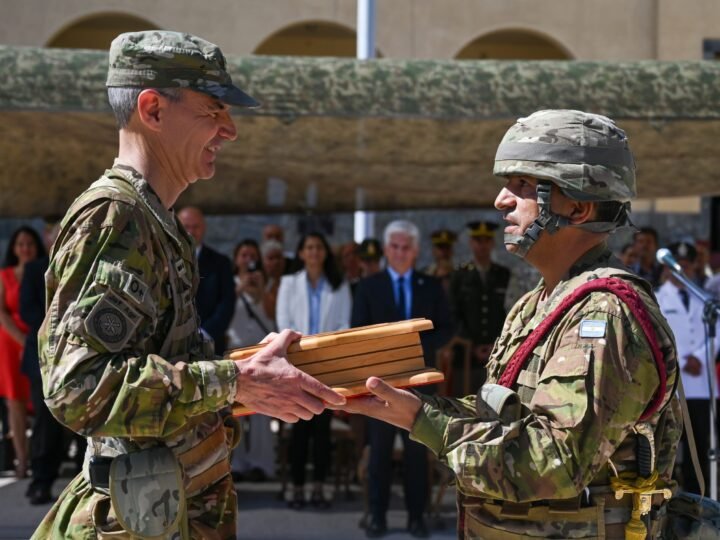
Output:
(345, 359)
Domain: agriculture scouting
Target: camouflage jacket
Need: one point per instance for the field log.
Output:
(581, 398)
(122, 360)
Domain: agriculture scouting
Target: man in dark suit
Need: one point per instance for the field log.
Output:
(215, 297)
(399, 293)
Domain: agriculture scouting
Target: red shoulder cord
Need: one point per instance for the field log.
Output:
(631, 298)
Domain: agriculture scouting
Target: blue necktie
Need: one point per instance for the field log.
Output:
(401, 298)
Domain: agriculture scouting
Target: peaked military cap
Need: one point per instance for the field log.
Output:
(370, 249)
(443, 237)
(163, 59)
(683, 250)
(482, 229)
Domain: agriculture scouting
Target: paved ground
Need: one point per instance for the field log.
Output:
(261, 515)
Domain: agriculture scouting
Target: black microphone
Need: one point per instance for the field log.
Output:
(664, 256)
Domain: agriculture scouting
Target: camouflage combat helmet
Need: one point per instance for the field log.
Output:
(585, 155)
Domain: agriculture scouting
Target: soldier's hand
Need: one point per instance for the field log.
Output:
(269, 384)
(692, 366)
(386, 403)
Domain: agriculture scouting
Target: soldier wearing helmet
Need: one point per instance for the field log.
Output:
(580, 397)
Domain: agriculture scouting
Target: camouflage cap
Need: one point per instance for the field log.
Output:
(163, 59)
(584, 154)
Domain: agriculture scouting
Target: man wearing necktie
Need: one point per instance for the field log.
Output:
(684, 314)
(395, 294)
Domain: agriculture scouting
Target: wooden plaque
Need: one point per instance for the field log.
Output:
(345, 359)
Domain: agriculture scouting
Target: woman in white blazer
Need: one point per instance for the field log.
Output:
(313, 300)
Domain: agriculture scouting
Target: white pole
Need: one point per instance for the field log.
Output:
(365, 29)
(364, 221)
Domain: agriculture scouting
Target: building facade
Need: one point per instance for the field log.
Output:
(613, 30)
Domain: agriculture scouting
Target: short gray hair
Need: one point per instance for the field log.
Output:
(402, 226)
(123, 101)
(269, 246)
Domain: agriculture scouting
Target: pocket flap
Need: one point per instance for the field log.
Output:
(574, 363)
(147, 493)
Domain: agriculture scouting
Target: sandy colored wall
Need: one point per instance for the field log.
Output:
(586, 29)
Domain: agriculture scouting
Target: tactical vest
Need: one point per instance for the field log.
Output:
(203, 447)
(595, 513)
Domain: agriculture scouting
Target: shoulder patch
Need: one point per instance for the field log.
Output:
(592, 329)
(112, 321)
(121, 280)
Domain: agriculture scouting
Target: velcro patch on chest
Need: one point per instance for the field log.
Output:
(112, 321)
(136, 288)
(592, 329)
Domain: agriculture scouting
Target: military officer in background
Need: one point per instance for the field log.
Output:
(370, 253)
(477, 293)
(122, 359)
(580, 403)
(443, 242)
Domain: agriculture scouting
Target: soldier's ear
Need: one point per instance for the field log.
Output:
(581, 212)
(150, 106)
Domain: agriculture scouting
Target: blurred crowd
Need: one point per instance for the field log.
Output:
(319, 287)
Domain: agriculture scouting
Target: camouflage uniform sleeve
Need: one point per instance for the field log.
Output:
(97, 378)
(589, 395)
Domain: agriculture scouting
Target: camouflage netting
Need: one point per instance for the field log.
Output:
(413, 134)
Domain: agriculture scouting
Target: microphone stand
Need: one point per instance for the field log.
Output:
(711, 311)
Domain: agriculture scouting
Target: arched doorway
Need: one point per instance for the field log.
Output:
(97, 31)
(513, 45)
(313, 38)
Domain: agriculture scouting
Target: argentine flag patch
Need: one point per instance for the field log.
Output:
(592, 329)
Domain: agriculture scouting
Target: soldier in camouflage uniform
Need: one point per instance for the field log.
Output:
(537, 455)
(123, 362)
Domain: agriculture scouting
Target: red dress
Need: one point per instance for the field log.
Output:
(13, 383)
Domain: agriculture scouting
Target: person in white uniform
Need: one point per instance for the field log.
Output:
(684, 313)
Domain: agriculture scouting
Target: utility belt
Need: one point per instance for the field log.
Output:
(139, 482)
(595, 513)
(198, 472)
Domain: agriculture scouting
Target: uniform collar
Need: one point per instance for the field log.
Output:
(600, 255)
(166, 217)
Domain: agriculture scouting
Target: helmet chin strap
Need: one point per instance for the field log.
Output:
(546, 221)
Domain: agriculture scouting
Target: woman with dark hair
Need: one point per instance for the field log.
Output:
(254, 457)
(25, 245)
(245, 252)
(313, 300)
